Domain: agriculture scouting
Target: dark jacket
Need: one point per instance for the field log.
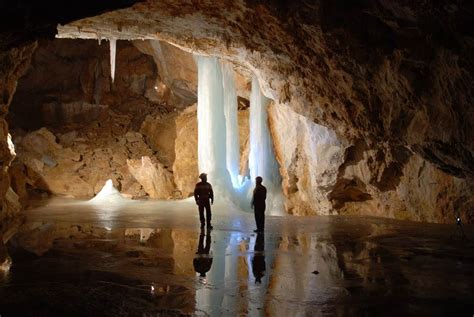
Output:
(203, 192)
(259, 196)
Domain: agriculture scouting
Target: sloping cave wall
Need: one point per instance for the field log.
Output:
(393, 79)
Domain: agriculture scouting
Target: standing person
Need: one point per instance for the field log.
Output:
(258, 204)
(202, 193)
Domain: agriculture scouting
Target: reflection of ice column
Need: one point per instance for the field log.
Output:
(262, 160)
(212, 124)
(232, 127)
(113, 50)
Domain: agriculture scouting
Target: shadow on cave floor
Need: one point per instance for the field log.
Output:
(140, 259)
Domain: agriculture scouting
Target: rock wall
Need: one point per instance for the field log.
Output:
(69, 83)
(309, 156)
(13, 64)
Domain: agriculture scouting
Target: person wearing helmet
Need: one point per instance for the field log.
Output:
(202, 194)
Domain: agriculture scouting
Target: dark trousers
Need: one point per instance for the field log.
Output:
(207, 206)
(260, 217)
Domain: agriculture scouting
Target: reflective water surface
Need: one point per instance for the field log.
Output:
(151, 259)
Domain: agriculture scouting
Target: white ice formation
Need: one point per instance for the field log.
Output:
(113, 53)
(218, 137)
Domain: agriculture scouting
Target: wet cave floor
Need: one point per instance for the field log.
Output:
(143, 259)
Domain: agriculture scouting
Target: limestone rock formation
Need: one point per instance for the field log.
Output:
(177, 69)
(155, 179)
(160, 134)
(77, 85)
(309, 156)
(80, 166)
(13, 64)
(185, 167)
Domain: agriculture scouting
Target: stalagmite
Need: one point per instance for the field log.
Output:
(108, 195)
(113, 51)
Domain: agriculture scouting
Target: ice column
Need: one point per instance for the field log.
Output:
(212, 124)
(232, 126)
(262, 160)
(113, 50)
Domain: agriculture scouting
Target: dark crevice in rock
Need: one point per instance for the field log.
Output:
(391, 174)
(439, 153)
(348, 190)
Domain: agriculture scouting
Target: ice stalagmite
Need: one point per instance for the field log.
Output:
(212, 125)
(232, 126)
(113, 51)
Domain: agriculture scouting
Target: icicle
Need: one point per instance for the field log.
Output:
(113, 48)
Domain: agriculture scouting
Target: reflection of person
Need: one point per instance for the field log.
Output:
(203, 261)
(202, 194)
(258, 204)
(258, 260)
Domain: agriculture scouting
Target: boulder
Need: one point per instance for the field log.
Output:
(160, 134)
(155, 179)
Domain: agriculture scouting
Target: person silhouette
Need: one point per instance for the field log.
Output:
(258, 260)
(202, 194)
(258, 204)
(203, 261)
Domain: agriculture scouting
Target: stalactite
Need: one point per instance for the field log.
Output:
(113, 52)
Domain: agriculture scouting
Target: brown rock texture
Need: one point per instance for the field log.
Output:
(309, 157)
(160, 134)
(185, 167)
(155, 179)
(13, 64)
(69, 83)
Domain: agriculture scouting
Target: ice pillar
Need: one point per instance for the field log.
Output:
(262, 160)
(232, 126)
(212, 124)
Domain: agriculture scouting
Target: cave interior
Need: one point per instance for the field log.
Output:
(358, 116)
